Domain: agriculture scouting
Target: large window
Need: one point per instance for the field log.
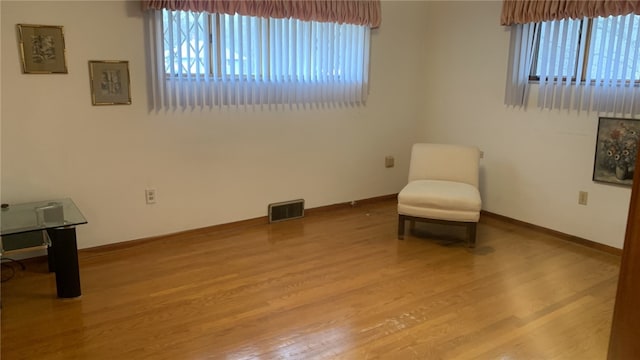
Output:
(233, 59)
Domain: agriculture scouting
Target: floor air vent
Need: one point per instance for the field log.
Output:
(286, 210)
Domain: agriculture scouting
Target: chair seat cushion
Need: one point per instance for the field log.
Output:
(439, 199)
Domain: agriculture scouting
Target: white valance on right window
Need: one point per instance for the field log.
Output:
(583, 64)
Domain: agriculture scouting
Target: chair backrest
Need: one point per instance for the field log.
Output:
(445, 162)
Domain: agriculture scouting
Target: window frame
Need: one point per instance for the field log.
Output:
(583, 40)
(215, 57)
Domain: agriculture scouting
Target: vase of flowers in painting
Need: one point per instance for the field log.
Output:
(622, 172)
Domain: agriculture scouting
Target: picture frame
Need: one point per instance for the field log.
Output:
(616, 150)
(110, 82)
(42, 49)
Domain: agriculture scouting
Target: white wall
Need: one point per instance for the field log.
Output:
(535, 161)
(209, 167)
(437, 74)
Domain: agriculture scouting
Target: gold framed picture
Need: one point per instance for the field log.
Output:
(110, 83)
(616, 150)
(42, 49)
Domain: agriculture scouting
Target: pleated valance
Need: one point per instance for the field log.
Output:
(528, 11)
(356, 12)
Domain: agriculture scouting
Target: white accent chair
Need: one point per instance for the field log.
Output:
(442, 188)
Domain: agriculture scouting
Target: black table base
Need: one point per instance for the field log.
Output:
(63, 259)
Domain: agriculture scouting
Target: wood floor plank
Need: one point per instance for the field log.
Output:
(334, 285)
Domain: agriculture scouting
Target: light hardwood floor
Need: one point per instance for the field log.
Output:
(333, 285)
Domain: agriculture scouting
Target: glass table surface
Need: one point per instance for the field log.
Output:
(39, 215)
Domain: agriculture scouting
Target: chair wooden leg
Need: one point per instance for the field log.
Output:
(471, 234)
(401, 221)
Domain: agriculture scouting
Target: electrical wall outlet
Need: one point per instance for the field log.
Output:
(389, 161)
(583, 197)
(150, 195)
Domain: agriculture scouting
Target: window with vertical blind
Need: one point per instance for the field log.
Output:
(219, 59)
(584, 64)
(587, 49)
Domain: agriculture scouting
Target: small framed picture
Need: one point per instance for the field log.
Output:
(42, 49)
(109, 82)
(616, 150)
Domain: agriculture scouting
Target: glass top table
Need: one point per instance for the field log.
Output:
(58, 219)
(39, 215)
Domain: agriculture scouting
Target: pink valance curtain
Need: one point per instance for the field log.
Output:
(528, 11)
(357, 12)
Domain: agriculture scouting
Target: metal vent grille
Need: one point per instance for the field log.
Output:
(286, 210)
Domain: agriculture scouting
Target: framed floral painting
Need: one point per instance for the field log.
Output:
(616, 150)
